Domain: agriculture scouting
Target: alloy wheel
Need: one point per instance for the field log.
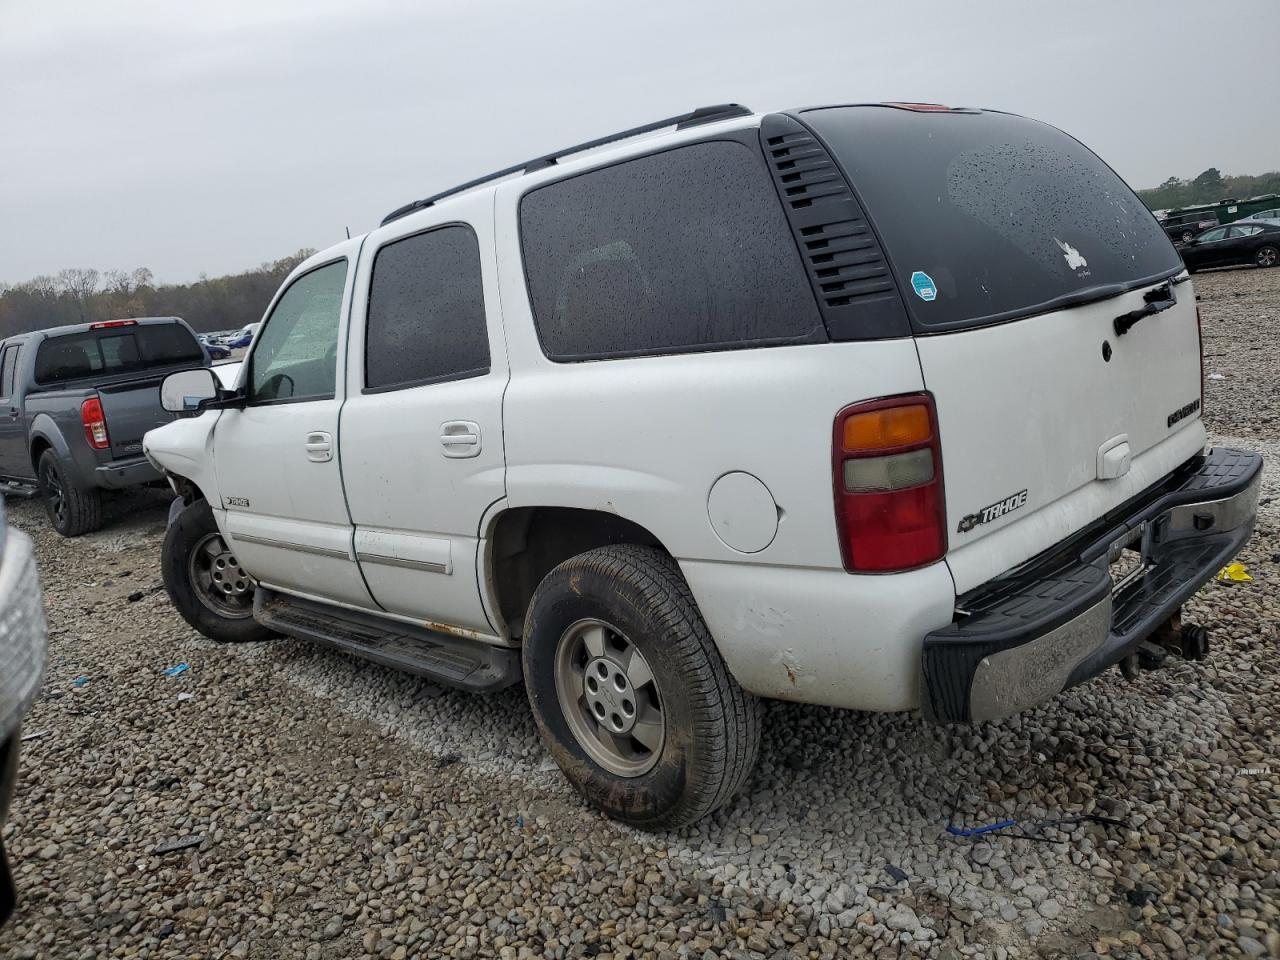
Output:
(609, 698)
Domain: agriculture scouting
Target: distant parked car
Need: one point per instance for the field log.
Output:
(1255, 241)
(1182, 227)
(244, 338)
(1272, 214)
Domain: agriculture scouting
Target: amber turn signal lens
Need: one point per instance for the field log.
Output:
(887, 428)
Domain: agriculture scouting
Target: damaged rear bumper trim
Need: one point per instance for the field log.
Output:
(1020, 640)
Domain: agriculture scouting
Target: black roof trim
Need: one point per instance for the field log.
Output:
(721, 111)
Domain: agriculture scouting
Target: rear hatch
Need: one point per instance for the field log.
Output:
(125, 360)
(1015, 249)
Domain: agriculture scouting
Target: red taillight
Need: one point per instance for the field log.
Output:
(95, 424)
(104, 324)
(887, 469)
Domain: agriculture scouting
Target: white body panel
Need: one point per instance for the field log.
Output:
(1028, 405)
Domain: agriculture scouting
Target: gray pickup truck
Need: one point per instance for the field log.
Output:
(23, 643)
(74, 404)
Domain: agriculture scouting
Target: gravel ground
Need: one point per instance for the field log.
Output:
(344, 810)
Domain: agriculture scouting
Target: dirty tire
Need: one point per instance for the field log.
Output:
(712, 725)
(1188, 236)
(1267, 256)
(72, 510)
(192, 525)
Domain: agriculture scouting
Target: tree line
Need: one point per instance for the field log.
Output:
(1209, 187)
(85, 295)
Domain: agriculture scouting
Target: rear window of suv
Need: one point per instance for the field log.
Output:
(113, 350)
(989, 217)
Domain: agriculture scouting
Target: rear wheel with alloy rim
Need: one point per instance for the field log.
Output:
(1267, 256)
(629, 692)
(204, 579)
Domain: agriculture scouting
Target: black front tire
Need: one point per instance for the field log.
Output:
(712, 726)
(72, 510)
(190, 531)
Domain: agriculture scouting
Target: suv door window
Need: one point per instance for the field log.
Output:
(679, 251)
(426, 320)
(296, 353)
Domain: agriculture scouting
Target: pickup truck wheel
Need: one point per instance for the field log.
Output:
(629, 692)
(205, 581)
(72, 510)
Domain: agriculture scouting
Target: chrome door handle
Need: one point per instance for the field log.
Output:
(319, 447)
(460, 438)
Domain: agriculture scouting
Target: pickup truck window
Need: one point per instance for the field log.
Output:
(296, 353)
(8, 365)
(426, 320)
(115, 350)
(681, 251)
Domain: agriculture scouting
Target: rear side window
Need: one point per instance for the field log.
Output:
(8, 367)
(113, 350)
(989, 217)
(680, 251)
(426, 311)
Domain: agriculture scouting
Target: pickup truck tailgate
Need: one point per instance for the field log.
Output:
(131, 409)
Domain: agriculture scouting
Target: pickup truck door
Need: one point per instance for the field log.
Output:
(276, 459)
(421, 433)
(14, 459)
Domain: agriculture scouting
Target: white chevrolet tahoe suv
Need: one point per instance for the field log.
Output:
(858, 405)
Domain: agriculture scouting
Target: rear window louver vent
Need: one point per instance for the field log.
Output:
(850, 276)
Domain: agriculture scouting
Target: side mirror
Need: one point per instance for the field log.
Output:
(184, 392)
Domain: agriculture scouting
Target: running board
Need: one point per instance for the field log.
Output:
(456, 661)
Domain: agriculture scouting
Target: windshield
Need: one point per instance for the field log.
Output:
(112, 350)
(989, 217)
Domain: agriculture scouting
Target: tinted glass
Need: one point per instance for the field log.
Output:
(679, 251)
(1211, 235)
(296, 354)
(113, 350)
(8, 363)
(994, 216)
(426, 311)
(1243, 231)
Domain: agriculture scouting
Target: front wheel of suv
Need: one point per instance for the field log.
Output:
(205, 581)
(629, 692)
(1267, 256)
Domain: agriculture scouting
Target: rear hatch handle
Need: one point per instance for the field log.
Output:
(1156, 299)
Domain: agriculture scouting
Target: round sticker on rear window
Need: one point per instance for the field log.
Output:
(923, 285)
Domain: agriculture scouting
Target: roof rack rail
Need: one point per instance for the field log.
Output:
(721, 111)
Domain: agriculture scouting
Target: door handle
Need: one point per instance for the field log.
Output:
(319, 446)
(460, 438)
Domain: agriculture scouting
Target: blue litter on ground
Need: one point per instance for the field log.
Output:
(79, 681)
(175, 670)
(976, 831)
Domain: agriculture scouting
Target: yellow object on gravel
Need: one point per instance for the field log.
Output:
(1234, 572)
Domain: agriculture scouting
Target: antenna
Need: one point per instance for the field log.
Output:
(348, 233)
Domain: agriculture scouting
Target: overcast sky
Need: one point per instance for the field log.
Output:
(206, 138)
